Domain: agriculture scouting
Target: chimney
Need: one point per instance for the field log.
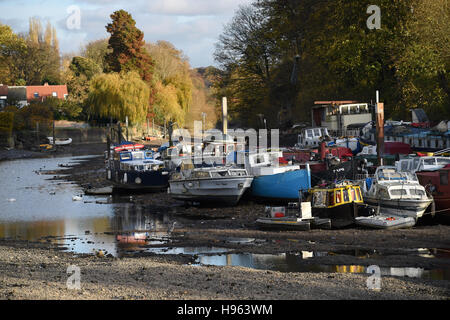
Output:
(46, 84)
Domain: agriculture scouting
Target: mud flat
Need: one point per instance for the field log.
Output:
(317, 264)
(32, 272)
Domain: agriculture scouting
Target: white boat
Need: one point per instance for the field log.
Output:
(60, 141)
(397, 193)
(422, 164)
(212, 184)
(311, 137)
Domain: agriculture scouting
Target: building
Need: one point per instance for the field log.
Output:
(23, 95)
(336, 116)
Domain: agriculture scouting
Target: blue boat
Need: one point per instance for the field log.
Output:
(135, 169)
(272, 180)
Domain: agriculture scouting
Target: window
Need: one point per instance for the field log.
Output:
(345, 192)
(54, 94)
(36, 94)
(398, 192)
(444, 178)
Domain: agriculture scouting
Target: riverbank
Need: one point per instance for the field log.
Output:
(38, 270)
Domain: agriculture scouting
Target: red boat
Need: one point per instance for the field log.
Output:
(437, 183)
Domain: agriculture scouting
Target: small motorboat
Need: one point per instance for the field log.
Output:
(60, 141)
(396, 192)
(300, 218)
(387, 222)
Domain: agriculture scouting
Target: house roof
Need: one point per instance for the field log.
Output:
(46, 91)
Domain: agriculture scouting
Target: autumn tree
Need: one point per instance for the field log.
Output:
(119, 95)
(11, 46)
(127, 47)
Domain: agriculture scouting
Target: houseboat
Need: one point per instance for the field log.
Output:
(340, 202)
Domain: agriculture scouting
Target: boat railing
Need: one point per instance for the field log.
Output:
(362, 176)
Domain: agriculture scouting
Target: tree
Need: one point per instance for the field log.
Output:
(119, 95)
(127, 45)
(40, 61)
(11, 46)
(97, 51)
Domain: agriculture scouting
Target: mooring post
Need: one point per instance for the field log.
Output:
(380, 130)
(224, 115)
(54, 139)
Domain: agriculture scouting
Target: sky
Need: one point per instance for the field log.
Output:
(192, 26)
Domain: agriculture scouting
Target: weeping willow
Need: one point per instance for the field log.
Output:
(119, 95)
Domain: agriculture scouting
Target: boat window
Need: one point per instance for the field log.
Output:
(429, 161)
(319, 199)
(352, 194)
(125, 156)
(317, 132)
(148, 155)
(383, 194)
(417, 192)
(398, 192)
(309, 133)
(330, 198)
(443, 161)
(338, 196)
(345, 193)
(444, 177)
(404, 165)
(138, 155)
(358, 194)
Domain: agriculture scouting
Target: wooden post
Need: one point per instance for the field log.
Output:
(54, 139)
(126, 124)
(224, 115)
(37, 133)
(380, 132)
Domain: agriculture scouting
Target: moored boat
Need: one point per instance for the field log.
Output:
(398, 193)
(136, 169)
(273, 180)
(341, 202)
(387, 222)
(212, 184)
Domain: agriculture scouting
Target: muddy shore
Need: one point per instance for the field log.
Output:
(38, 270)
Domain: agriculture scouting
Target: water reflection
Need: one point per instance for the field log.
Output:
(44, 210)
(295, 263)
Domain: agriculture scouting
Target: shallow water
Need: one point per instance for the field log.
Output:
(34, 207)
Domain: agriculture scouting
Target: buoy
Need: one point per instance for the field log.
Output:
(77, 198)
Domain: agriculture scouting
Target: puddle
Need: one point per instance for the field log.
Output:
(296, 263)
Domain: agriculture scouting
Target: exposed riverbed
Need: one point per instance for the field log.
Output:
(46, 215)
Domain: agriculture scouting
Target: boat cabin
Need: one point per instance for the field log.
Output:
(311, 137)
(422, 164)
